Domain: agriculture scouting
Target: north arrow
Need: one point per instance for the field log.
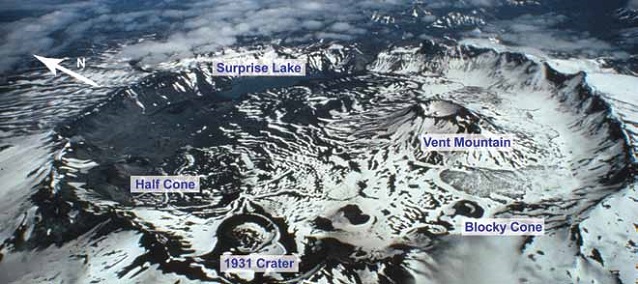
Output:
(54, 64)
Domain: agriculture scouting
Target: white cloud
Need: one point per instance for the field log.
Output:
(312, 24)
(181, 29)
(174, 30)
(221, 23)
(31, 35)
(541, 32)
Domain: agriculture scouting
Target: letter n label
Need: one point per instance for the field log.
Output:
(81, 62)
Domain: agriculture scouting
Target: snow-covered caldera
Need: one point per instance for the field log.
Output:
(330, 168)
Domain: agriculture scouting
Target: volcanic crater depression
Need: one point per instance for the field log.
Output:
(331, 168)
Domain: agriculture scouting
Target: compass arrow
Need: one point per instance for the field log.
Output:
(54, 64)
